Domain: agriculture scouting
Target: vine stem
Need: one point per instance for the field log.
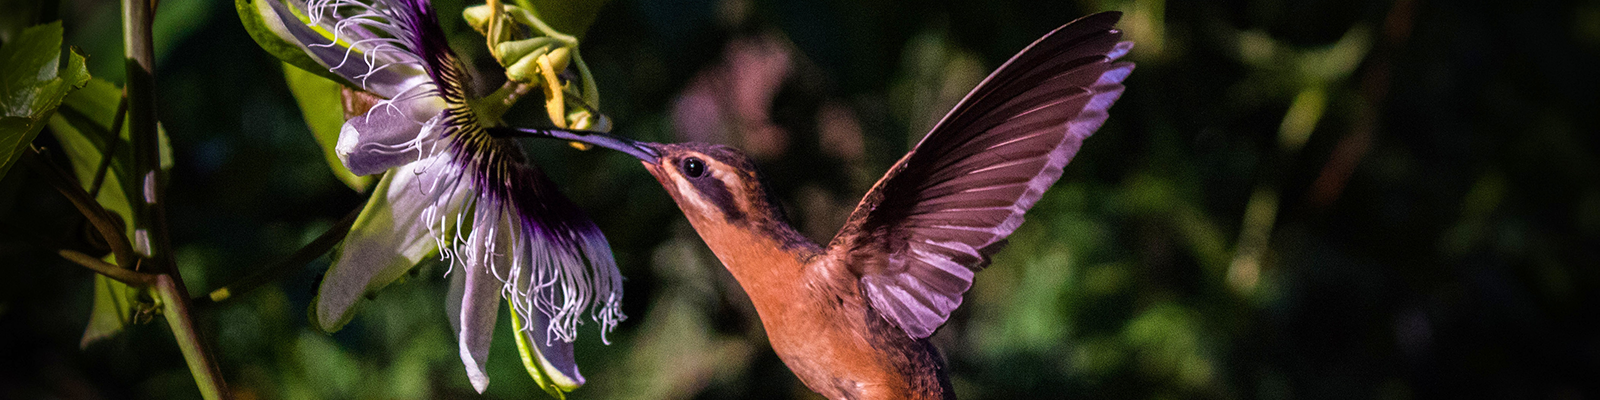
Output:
(175, 308)
(127, 277)
(151, 237)
(113, 138)
(104, 223)
(311, 251)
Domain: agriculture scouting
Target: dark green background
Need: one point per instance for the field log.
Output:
(1457, 260)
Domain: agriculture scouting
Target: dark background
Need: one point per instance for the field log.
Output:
(1293, 199)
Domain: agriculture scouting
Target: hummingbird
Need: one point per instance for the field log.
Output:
(851, 319)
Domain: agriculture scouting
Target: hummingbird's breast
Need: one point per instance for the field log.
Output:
(816, 316)
(833, 340)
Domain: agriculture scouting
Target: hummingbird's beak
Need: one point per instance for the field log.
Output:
(644, 151)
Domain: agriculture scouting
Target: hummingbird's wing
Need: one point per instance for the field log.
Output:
(934, 219)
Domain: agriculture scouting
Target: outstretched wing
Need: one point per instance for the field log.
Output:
(934, 219)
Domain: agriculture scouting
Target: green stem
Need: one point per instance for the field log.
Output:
(127, 277)
(527, 16)
(591, 90)
(137, 47)
(114, 137)
(492, 107)
(103, 221)
(310, 251)
(150, 216)
(175, 308)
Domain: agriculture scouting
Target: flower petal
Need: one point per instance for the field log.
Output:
(568, 269)
(480, 291)
(386, 80)
(392, 134)
(392, 234)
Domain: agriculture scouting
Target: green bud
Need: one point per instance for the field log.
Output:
(514, 51)
(478, 17)
(584, 121)
(559, 58)
(526, 69)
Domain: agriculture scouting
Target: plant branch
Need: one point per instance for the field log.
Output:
(126, 276)
(101, 219)
(150, 215)
(175, 309)
(278, 270)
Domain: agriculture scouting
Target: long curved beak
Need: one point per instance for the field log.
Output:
(644, 151)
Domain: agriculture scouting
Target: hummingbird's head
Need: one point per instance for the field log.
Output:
(713, 182)
(716, 186)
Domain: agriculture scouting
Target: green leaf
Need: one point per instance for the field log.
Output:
(114, 302)
(31, 87)
(112, 311)
(267, 29)
(323, 109)
(82, 128)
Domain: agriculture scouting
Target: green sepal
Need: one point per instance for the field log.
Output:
(31, 87)
(322, 108)
(534, 362)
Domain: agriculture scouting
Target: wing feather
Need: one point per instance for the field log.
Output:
(950, 203)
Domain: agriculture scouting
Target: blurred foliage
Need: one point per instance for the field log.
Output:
(1294, 199)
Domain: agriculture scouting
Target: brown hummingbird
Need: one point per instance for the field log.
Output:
(852, 318)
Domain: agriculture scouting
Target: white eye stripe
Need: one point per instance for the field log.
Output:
(690, 194)
(714, 169)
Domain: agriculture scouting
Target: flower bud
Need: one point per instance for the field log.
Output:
(559, 58)
(526, 68)
(513, 51)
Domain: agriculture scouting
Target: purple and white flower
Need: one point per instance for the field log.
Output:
(453, 190)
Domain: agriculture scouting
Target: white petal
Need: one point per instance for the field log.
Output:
(388, 77)
(487, 255)
(392, 134)
(393, 233)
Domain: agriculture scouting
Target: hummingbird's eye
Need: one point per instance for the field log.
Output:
(693, 167)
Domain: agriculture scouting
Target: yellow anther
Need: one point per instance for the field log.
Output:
(554, 104)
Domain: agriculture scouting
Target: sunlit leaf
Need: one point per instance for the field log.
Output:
(113, 301)
(323, 110)
(31, 87)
